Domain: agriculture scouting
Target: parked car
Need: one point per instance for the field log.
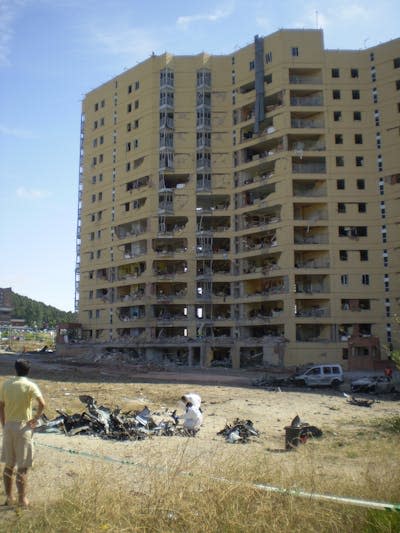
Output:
(378, 384)
(329, 375)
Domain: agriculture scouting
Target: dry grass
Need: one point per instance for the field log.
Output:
(186, 493)
(178, 487)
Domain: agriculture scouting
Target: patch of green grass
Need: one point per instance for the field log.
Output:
(391, 425)
(382, 522)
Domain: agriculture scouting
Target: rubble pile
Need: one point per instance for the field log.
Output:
(110, 423)
(239, 431)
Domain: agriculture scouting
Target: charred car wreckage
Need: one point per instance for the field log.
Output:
(375, 384)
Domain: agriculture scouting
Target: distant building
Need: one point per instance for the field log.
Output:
(243, 210)
(6, 305)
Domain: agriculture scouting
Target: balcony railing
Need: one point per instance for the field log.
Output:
(308, 146)
(312, 239)
(309, 192)
(304, 123)
(167, 123)
(203, 163)
(314, 312)
(309, 168)
(310, 80)
(306, 100)
(312, 264)
(167, 101)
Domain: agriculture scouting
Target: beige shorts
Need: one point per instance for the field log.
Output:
(17, 447)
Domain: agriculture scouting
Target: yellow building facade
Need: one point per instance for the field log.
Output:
(242, 210)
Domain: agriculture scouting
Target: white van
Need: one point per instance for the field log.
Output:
(320, 375)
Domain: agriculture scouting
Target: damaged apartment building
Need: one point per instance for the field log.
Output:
(242, 210)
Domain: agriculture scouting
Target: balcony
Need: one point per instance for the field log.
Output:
(203, 140)
(306, 100)
(245, 178)
(203, 99)
(132, 271)
(311, 284)
(263, 265)
(308, 146)
(170, 226)
(308, 167)
(305, 76)
(166, 100)
(303, 262)
(259, 220)
(209, 204)
(167, 122)
(169, 247)
(309, 189)
(166, 292)
(251, 244)
(306, 123)
(131, 229)
(204, 183)
(166, 79)
(313, 333)
(312, 312)
(166, 159)
(253, 154)
(131, 293)
(136, 249)
(203, 122)
(203, 79)
(127, 314)
(311, 239)
(310, 212)
(169, 269)
(203, 163)
(254, 197)
(166, 141)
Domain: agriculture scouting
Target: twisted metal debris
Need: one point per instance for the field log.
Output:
(111, 423)
(240, 431)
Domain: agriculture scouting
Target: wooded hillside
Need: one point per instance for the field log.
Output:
(38, 314)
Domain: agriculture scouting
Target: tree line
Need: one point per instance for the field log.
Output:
(39, 315)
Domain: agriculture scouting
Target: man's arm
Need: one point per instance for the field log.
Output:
(39, 411)
(2, 416)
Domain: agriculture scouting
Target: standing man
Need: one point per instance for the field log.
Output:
(16, 399)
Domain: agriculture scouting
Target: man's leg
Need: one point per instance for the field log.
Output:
(21, 486)
(8, 483)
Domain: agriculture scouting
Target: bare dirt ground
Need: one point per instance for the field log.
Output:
(226, 396)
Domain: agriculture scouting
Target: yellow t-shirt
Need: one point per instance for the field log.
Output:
(18, 394)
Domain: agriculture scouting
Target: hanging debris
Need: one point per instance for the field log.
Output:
(239, 431)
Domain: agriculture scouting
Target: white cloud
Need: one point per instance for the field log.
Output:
(217, 14)
(353, 12)
(135, 43)
(263, 23)
(8, 14)
(337, 15)
(16, 132)
(32, 194)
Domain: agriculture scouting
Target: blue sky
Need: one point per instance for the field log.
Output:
(52, 52)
